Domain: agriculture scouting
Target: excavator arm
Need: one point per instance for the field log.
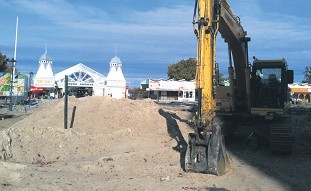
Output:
(206, 31)
(207, 152)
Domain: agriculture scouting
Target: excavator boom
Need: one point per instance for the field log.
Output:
(215, 16)
(207, 152)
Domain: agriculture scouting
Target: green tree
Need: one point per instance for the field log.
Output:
(3, 63)
(184, 69)
(307, 74)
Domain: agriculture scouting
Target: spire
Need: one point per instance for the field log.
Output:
(115, 49)
(45, 56)
(46, 49)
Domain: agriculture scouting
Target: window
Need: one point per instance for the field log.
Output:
(80, 77)
(271, 74)
(180, 94)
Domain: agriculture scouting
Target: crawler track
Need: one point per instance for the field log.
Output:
(281, 138)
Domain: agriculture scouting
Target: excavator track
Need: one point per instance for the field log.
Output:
(281, 138)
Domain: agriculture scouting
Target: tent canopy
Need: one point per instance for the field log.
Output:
(35, 89)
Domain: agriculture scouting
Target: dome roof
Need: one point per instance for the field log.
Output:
(115, 60)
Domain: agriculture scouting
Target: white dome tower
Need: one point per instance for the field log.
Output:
(45, 76)
(115, 72)
(116, 83)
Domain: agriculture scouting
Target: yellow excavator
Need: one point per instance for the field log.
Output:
(256, 99)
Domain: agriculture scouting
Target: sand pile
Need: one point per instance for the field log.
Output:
(133, 145)
(102, 125)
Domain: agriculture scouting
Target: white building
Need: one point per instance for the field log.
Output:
(44, 77)
(79, 76)
(300, 93)
(180, 90)
(115, 84)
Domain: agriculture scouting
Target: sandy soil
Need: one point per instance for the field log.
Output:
(133, 145)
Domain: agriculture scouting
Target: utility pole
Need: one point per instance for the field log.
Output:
(11, 83)
(66, 102)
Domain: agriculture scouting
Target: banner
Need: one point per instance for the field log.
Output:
(18, 84)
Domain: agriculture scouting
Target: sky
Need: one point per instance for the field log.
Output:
(147, 36)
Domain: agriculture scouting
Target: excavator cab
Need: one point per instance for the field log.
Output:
(269, 84)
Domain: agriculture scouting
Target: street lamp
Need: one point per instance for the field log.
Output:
(29, 84)
(30, 78)
(12, 61)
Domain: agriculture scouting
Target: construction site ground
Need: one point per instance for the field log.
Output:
(133, 145)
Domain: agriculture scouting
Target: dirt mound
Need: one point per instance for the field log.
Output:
(101, 125)
(133, 145)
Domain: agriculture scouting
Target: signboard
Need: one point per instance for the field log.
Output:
(300, 89)
(80, 84)
(18, 84)
(171, 85)
(45, 83)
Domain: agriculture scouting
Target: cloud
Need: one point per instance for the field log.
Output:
(155, 33)
(59, 11)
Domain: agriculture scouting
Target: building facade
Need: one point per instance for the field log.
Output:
(79, 76)
(300, 93)
(170, 90)
(91, 82)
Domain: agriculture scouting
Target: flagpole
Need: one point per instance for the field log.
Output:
(15, 47)
(13, 61)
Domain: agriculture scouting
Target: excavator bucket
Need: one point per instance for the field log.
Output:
(208, 156)
(218, 158)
